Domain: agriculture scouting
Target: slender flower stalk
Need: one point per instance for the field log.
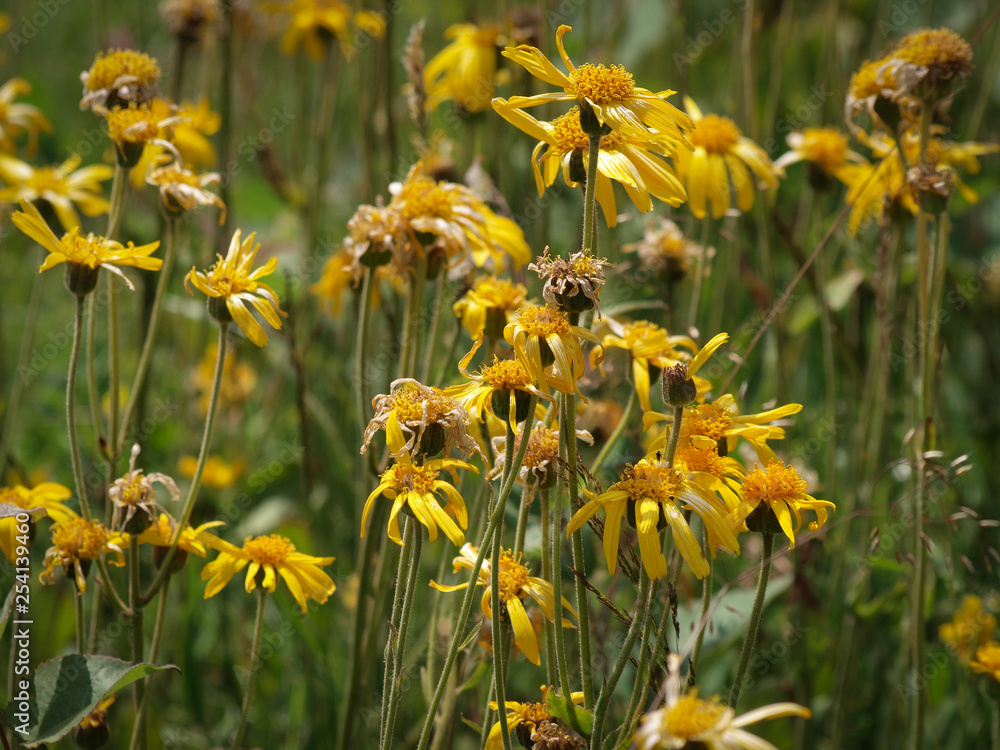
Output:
(499, 670)
(253, 667)
(754, 625)
(135, 607)
(74, 442)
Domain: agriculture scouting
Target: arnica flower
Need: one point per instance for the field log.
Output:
(188, 128)
(84, 254)
(189, 19)
(685, 720)
(313, 24)
(825, 149)
(652, 350)
(702, 457)
(47, 495)
(76, 543)
(65, 187)
(664, 248)
(928, 64)
(540, 467)
(183, 190)
(17, 117)
(543, 336)
(651, 493)
(970, 628)
(134, 492)
(238, 381)
(610, 92)
(232, 281)
(772, 497)
(563, 146)
(869, 90)
(430, 420)
(415, 487)
(465, 70)
(502, 388)
(378, 235)
(524, 720)
(118, 78)
(987, 660)
(134, 127)
(720, 149)
(265, 558)
(192, 539)
(218, 473)
(516, 583)
(489, 304)
(571, 284)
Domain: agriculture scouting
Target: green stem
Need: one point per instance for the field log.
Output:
(81, 622)
(138, 730)
(439, 303)
(706, 598)
(117, 201)
(522, 521)
(161, 610)
(616, 435)
(590, 196)
(74, 444)
(499, 671)
(562, 662)
(645, 649)
(675, 435)
(414, 310)
(702, 269)
(95, 410)
(114, 378)
(253, 667)
(547, 627)
(398, 599)
(414, 536)
(754, 624)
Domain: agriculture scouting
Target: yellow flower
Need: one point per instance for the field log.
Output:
(119, 77)
(523, 719)
(238, 381)
(189, 127)
(464, 71)
(313, 25)
(643, 491)
(987, 660)
(47, 495)
(721, 152)
(488, 305)
(563, 146)
(416, 487)
(665, 248)
(609, 91)
(780, 490)
(133, 127)
(232, 280)
(685, 720)
(270, 556)
(197, 540)
(542, 336)
(705, 458)
(970, 628)
(91, 252)
(134, 492)
(61, 187)
(183, 190)
(824, 147)
(927, 62)
(515, 583)
(217, 474)
(76, 544)
(539, 469)
(17, 117)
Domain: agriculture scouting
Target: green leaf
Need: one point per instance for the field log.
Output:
(62, 691)
(559, 708)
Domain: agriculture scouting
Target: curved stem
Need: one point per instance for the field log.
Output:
(138, 730)
(754, 624)
(590, 195)
(95, 410)
(616, 435)
(415, 533)
(499, 670)
(253, 667)
(81, 622)
(74, 443)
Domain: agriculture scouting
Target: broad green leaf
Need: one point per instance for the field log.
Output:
(62, 691)
(559, 708)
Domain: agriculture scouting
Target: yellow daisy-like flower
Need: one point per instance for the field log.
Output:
(65, 187)
(133, 127)
(826, 148)
(465, 70)
(516, 583)
(84, 253)
(231, 280)
(76, 544)
(970, 628)
(927, 63)
(488, 305)
(193, 539)
(665, 248)
(652, 350)
(685, 720)
(777, 493)
(416, 486)
(543, 336)
(539, 469)
(270, 556)
(704, 458)
(563, 146)
(17, 118)
(650, 492)
(47, 495)
(134, 492)
(218, 473)
(523, 719)
(238, 382)
(609, 91)
(312, 25)
(119, 77)
(502, 388)
(721, 153)
(188, 126)
(987, 660)
(183, 190)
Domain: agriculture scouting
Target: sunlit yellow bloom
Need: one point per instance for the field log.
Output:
(91, 251)
(197, 540)
(824, 147)
(515, 583)
(313, 25)
(685, 720)
(188, 127)
(416, 486)
(650, 492)
(563, 147)
(542, 336)
(47, 495)
(664, 247)
(371, 22)
(464, 71)
(721, 153)
(76, 544)
(540, 467)
(704, 458)
(489, 304)
(135, 126)
(970, 628)
(232, 280)
(271, 556)
(17, 117)
(524, 719)
(134, 492)
(238, 381)
(65, 187)
(610, 91)
(987, 660)
(183, 190)
(780, 490)
(119, 77)
(218, 473)
(189, 18)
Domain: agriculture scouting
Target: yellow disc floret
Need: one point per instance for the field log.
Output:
(543, 321)
(78, 539)
(690, 716)
(707, 420)
(715, 134)
(268, 550)
(778, 482)
(506, 375)
(602, 85)
(110, 67)
(132, 125)
(512, 575)
(825, 147)
(652, 480)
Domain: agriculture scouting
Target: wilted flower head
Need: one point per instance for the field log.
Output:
(572, 284)
(183, 190)
(540, 467)
(928, 64)
(118, 78)
(17, 117)
(76, 543)
(664, 247)
(378, 234)
(134, 492)
(189, 19)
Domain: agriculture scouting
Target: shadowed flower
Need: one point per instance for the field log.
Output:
(65, 188)
(120, 77)
(488, 305)
(971, 627)
(17, 118)
(134, 492)
(217, 474)
(313, 24)
(232, 281)
(523, 720)
(571, 284)
(265, 558)
(197, 540)
(664, 247)
(189, 19)
(75, 545)
(183, 190)
(464, 71)
(92, 731)
(825, 148)
(515, 583)
(542, 336)
(987, 660)
(47, 495)
(540, 467)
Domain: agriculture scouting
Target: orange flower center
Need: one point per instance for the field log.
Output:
(690, 716)
(601, 85)
(77, 539)
(701, 459)
(424, 197)
(110, 66)
(646, 479)
(505, 375)
(268, 550)
(408, 477)
(569, 136)
(132, 125)
(715, 134)
(543, 321)
(513, 575)
(776, 482)
(543, 445)
(825, 147)
(707, 420)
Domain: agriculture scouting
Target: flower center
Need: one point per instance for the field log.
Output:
(409, 405)
(268, 550)
(108, 68)
(176, 176)
(707, 420)
(646, 479)
(13, 497)
(408, 477)
(77, 539)
(691, 716)
(505, 375)
(871, 80)
(543, 321)
(601, 85)
(46, 179)
(715, 134)
(825, 147)
(498, 293)
(513, 575)
(701, 459)
(643, 333)
(569, 136)
(88, 251)
(133, 493)
(543, 445)
(531, 712)
(936, 47)
(132, 125)
(424, 197)
(776, 482)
